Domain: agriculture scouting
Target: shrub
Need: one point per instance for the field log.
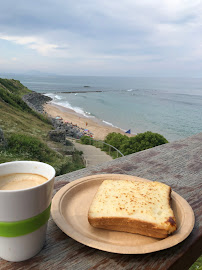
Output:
(116, 140)
(26, 147)
(141, 142)
(29, 146)
(68, 143)
(128, 145)
(85, 140)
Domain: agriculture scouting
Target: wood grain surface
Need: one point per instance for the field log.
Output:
(178, 164)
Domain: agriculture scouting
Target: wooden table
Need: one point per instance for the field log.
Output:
(178, 164)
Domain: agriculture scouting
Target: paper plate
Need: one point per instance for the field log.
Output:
(70, 211)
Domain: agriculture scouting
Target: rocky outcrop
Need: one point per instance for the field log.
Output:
(36, 101)
(68, 128)
(57, 135)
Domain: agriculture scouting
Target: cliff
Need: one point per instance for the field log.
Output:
(24, 131)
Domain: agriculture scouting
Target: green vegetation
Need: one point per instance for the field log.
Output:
(15, 115)
(141, 142)
(197, 265)
(99, 144)
(127, 145)
(85, 140)
(29, 146)
(26, 147)
(116, 139)
(26, 132)
(14, 99)
(14, 86)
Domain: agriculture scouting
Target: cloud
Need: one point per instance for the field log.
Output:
(14, 59)
(101, 31)
(38, 44)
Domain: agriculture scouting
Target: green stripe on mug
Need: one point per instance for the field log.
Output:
(22, 227)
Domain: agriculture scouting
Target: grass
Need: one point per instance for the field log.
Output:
(18, 121)
(197, 265)
(14, 86)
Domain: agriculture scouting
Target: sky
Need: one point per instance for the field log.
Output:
(102, 37)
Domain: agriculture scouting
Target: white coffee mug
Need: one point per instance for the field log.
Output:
(24, 213)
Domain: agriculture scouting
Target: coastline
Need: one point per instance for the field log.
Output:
(99, 129)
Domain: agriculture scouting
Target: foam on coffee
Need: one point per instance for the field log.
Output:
(17, 181)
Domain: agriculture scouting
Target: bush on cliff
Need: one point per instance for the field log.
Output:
(85, 140)
(141, 142)
(116, 140)
(128, 145)
(27, 147)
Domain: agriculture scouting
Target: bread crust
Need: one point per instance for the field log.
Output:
(133, 226)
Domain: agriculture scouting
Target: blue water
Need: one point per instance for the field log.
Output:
(169, 106)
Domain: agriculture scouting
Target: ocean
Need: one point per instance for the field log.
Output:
(169, 106)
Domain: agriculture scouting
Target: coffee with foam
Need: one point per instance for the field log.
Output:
(18, 181)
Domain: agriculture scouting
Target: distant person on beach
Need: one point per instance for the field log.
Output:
(86, 123)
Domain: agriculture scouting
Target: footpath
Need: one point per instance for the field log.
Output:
(91, 154)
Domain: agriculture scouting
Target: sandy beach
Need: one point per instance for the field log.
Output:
(99, 129)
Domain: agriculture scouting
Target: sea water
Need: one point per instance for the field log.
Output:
(169, 106)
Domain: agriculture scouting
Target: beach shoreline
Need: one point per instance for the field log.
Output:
(99, 129)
